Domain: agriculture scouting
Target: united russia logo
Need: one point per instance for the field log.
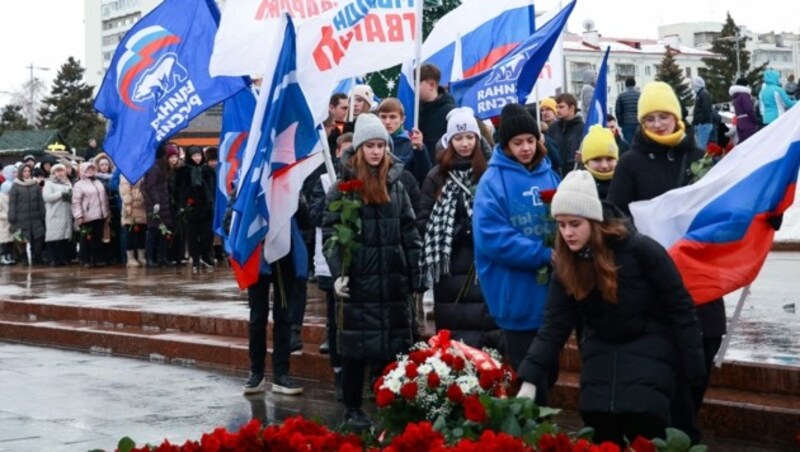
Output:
(145, 72)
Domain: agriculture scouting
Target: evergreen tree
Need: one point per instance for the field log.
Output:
(69, 107)
(720, 71)
(384, 83)
(670, 73)
(13, 119)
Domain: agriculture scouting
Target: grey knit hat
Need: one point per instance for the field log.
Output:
(577, 196)
(369, 127)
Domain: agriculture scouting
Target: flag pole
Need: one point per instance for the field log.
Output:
(326, 155)
(734, 321)
(418, 52)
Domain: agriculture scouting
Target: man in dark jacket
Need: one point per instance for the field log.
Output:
(567, 131)
(434, 105)
(627, 109)
(702, 116)
(92, 151)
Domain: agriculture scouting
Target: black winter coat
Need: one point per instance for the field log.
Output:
(202, 195)
(376, 321)
(433, 120)
(459, 303)
(26, 210)
(631, 350)
(568, 136)
(649, 170)
(155, 189)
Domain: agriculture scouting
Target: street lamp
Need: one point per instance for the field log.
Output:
(735, 39)
(31, 112)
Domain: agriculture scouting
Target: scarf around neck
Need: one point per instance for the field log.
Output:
(438, 244)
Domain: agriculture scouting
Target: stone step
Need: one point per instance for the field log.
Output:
(205, 350)
(765, 418)
(729, 413)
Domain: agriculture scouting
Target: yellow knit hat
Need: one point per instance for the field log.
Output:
(658, 96)
(548, 102)
(599, 142)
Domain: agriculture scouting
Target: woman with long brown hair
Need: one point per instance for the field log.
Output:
(444, 216)
(639, 328)
(374, 305)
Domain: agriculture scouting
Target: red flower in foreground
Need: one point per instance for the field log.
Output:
(555, 443)
(384, 397)
(419, 436)
(455, 394)
(419, 356)
(409, 390)
(190, 202)
(433, 380)
(350, 186)
(547, 195)
(641, 444)
(474, 410)
(411, 370)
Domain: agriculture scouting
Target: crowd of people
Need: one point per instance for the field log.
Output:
(459, 206)
(57, 211)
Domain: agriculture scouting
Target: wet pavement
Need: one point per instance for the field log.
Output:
(57, 400)
(766, 333)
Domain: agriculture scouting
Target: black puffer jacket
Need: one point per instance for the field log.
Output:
(201, 191)
(460, 306)
(568, 136)
(650, 170)
(631, 350)
(155, 189)
(376, 320)
(26, 210)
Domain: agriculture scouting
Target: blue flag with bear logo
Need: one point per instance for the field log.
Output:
(158, 81)
(511, 80)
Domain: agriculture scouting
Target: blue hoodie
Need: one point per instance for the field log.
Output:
(509, 223)
(417, 163)
(773, 98)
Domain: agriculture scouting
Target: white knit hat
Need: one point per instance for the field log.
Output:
(364, 92)
(577, 196)
(460, 120)
(369, 127)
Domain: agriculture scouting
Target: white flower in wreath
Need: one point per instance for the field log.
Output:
(440, 367)
(467, 383)
(425, 369)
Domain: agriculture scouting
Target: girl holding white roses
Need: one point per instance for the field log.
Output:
(374, 295)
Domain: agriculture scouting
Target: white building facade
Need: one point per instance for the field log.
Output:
(629, 57)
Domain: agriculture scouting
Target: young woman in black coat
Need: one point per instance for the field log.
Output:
(195, 184)
(374, 302)
(659, 160)
(444, 217)
(639, 328)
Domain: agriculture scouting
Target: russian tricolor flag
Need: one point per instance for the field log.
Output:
(716, 230)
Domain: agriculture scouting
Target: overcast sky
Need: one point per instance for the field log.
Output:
(47, 32)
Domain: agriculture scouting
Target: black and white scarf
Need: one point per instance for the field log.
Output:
(439, 233)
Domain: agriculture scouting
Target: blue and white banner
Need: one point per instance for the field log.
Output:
(511, 80)
(158, 81)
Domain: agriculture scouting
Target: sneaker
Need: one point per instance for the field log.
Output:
(206, 264)
(324, 347)
(356, 420)
(255, 384)
(296, 341)
(284, 384)
(195, 269)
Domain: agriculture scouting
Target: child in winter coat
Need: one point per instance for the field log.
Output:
(375, 292)
(512, 229)
(134, 218)
(638, 320)
(599, 153)
(445, 216)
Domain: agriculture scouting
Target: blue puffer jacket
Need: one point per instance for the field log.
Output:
(509, 223)
(773, 98)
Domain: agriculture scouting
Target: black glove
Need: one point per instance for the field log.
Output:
(66, 196)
